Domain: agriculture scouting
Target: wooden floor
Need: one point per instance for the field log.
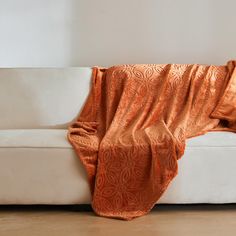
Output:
(173, 220)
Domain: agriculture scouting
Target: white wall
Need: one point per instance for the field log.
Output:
(106, 32)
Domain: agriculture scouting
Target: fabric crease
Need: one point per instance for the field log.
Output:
(134, 124)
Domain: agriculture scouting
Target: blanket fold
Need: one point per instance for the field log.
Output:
(134, 124)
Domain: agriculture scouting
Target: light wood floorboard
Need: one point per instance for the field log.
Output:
(163, 220)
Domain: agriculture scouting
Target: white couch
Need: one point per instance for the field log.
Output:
(39, 166)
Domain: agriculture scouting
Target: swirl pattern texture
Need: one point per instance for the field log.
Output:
(134, 124)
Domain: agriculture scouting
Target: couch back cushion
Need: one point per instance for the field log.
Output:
(42, 97)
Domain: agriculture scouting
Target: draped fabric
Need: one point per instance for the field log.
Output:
(134, 124)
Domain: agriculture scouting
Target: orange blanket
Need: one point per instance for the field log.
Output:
(133, 127)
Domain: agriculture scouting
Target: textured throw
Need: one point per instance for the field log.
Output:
(134, 124)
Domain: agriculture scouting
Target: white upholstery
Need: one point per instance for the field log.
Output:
(34, 138)
(41, 97)
(206, 171)
(39, 166)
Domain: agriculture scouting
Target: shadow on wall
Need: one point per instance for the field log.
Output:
(105, 32)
